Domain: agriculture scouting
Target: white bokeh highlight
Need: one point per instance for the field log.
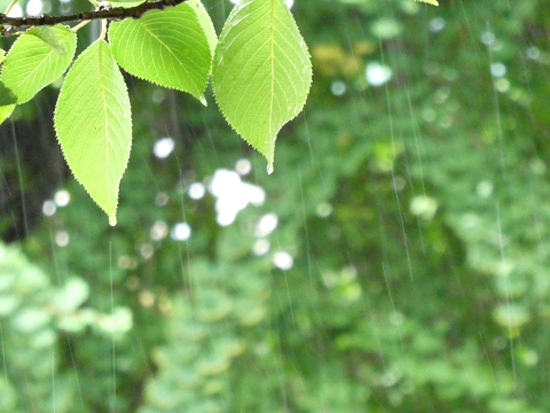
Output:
(233, 195)
(181, 231)
(283, 260)
(62, 198)
(163, 147)
(266, 225)
(196, 190)
(378, 74)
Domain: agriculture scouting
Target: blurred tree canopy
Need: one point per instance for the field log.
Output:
(408, 270)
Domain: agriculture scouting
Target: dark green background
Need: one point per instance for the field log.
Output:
(417, 213)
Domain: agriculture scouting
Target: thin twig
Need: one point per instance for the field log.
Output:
(116, 13)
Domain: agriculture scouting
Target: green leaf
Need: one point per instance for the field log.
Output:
(32, 63)
(432, 2)
(93, 124)
(169, 47)
(5, 112)
(206, 24)
(262, 72)
(46, 34)
(2, 55)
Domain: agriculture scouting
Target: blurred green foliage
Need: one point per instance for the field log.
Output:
(416, 213)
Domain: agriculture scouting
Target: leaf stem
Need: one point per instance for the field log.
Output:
(103, 29)
(80, 25)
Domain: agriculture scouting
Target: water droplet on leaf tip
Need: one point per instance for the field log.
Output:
(269, 168)
(112, 220)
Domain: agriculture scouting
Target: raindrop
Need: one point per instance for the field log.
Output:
(269, 168)
(112, 220)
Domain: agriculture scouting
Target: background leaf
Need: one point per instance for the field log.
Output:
(93, 124)
(169, 47)
(262, 71)
(31, 64)
(5, 112)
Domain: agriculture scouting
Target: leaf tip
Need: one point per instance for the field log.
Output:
(202, 100)
(270, 168)
(112, 220)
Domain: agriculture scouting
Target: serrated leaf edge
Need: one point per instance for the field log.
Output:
(201, 98)
(269, 157)
(112, 217)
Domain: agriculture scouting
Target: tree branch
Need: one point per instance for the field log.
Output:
(116, 13)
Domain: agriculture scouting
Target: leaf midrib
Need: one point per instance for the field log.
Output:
(106, 122)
